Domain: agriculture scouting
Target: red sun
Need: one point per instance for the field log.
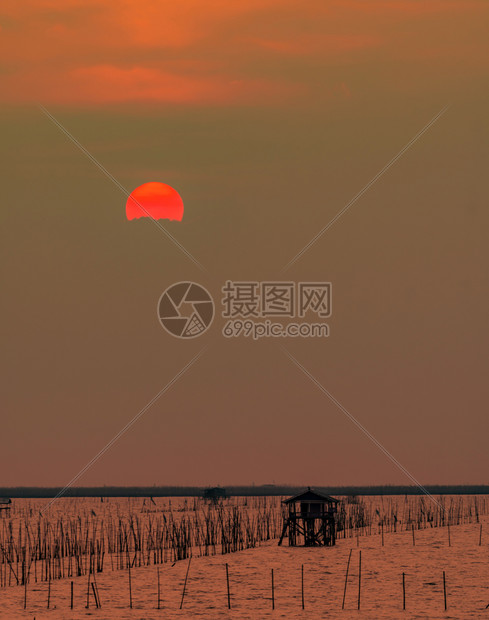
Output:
(155, 200)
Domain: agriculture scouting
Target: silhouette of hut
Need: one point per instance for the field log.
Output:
(215, 493)
(310, 519)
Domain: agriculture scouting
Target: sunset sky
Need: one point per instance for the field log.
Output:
(267, 116)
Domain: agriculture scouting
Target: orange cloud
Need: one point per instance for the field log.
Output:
(214, 52)
(321, 43)
(97, 52)
(410, 7)
(107, 84)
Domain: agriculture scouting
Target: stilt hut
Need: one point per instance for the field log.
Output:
(215, 494)
(310, 519)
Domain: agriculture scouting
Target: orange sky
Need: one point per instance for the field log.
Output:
(102, 52)
(267, 116)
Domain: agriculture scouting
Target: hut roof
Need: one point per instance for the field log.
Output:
(310, 495)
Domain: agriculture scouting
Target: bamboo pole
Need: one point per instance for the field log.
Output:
(95, 595)
(95, 592)
(444, 591)
(25, 590)
(49, 586)
(404, 591)
(346, 580)
(185, 583)
(359, 576)
(130, 585)
(88, 590)
(227, 582)
(273, 592)
(302, 585)
(158, 579)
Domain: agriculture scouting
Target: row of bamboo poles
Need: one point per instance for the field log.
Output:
(42, 548)
(125, 534)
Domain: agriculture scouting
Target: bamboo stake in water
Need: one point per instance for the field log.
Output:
(359, 576)
(302, 584)
(227, 582)
(158, 578)
(95, 595)
(449, 542)
(130, 585)
(444, 591)
(185, 584)
(480, 536)
(95, 592)
(346, 580)
(404, 591)
(49, 586)
(25, 590)
(71, 606)
(273, 592)
(88, 590)
(414, 541)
